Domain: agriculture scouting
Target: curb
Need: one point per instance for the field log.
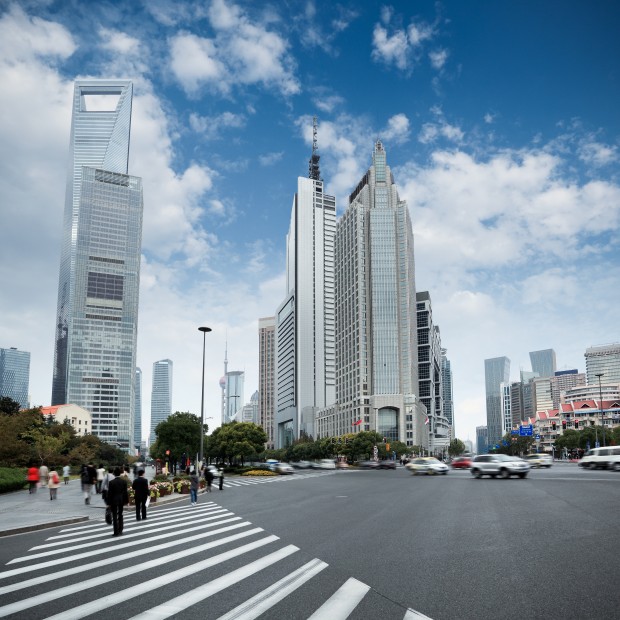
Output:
(42, 526)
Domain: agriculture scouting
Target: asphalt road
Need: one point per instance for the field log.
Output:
(372, 543)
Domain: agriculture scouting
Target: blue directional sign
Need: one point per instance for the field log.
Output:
(526, 430)
(504, 442)
(537, 436)
(514, 431)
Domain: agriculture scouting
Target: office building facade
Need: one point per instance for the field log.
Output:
(234, 393)
(97, 315)
(603, 359)
(543, 362)
(137, 429)
(266, 375)
(376, 335)
(482, 440)
(447, 391)
(496, 372)
(15, 375)
(161, 395)
(304, 321)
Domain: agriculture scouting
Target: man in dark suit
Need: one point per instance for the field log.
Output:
(117, 499)
(140, 487)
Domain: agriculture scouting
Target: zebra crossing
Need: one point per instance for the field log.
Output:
(251, 480)
(184, 562)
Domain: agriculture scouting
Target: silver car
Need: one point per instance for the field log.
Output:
(502, 465)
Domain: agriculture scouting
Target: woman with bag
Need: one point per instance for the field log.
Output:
(53, 484)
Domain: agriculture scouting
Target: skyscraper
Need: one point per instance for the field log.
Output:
(161, 395)
(15, 375)
(266, 375)
(376, 336)
(234, 393)
(96, 326)
(448, 394)
(137, 432)
(496, 372)
(603, 359)
(543, 362)
(305, 373)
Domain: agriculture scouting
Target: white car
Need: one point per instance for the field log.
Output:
(283, 468)
(325, 464)
(428, 466)
(539, 460)
(605, 458)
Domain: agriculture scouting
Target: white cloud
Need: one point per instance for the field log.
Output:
(438, 58)
(390, 49)
(431, 131)
(241, 53)
(211, 126)
(597, 154)
(269, 159)
(119, 42)
(328, 103)
(397, 130)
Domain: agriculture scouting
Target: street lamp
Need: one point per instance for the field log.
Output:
(204, 331)
(600, 395)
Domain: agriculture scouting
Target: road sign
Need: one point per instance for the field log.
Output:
(537, 437)
(526, 430)
(514, 431)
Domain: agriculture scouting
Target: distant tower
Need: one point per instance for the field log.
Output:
(496, 372)
(313, 165)
(161, 396)
(15, 375)
(266, 375)
(137, 429)
(223, 384)
(543, 362)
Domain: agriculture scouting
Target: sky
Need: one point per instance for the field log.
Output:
(500, 121)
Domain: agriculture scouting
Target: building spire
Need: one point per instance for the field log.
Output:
(313, 164)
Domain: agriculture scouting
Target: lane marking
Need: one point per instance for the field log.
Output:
(412, 614)
(340, 605)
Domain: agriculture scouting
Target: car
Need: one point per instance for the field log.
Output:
(302, 464)
(387, 464)
(368, 464)
(539, 460)
(502, 465)
(283, 468)
(605, 458)
(461, 462)
(427, 465)
(325, 464)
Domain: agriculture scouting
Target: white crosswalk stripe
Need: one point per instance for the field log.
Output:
(224, 552)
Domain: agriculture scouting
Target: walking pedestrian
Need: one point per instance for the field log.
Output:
(88, 477)
(140, 487)
(221, 485)
(209, 478)
(43, 474)
(105, 483)
(194, 486)
(100, 474)
(33, 479)
(53, 484)
(117, 499)
(66, 473)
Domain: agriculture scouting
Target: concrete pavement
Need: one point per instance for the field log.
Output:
(21, 511)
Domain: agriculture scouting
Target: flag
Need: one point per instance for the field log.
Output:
(426, 421)
(357, 422)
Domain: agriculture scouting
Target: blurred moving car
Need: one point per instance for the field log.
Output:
(283, 468)
(325, 464)
(539, 460)
(502, 465)
(427, 465)
(461, 462)
(368, 464)
(302, 464)
(387, 464)
(605, 458)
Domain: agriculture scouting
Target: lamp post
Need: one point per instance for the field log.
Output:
(204, 331)
(600, 395)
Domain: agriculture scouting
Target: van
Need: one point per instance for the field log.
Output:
(605, 458)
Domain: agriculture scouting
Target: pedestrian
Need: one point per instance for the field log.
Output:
(125, 474)
(194, 485)
(221, 472)
(43, 474)
(105, 483)
(140, 488)
(88, 477)
(209, 478)
(66, 472)
(117, 499)
(33, 479)
(100, 474)
(54, 483)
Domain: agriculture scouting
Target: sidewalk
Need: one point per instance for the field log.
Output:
(22, 512)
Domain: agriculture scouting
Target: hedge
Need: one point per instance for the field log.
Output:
(12, 479)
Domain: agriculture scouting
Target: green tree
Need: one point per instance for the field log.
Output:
(180, 434)
(236, 440)
(514, 444)
(9, 406)
(456, 447)
(363, 444)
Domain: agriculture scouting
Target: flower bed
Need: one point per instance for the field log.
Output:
(164, 488)
(259, 472)
(183, 486)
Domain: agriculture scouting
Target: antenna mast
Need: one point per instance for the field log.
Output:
(313, 164)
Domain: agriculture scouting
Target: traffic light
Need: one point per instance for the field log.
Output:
(576, 423)
(564, 425)
(553, 425)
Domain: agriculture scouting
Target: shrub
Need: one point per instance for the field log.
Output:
(12, 479)
(259, 472)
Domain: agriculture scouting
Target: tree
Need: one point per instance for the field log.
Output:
(9, 406)
(456, 447)
(180, 434)
(514, 444)
(236, 440)
(363, 444)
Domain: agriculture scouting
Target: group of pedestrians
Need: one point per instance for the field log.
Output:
(43, 477)
(209, 476)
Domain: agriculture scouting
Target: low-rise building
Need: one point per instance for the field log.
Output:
(78, 417)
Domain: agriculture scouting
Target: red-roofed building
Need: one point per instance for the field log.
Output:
(79, 418)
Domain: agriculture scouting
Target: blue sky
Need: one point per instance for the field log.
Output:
(501, 125)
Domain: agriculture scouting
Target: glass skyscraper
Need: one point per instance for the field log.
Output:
(137, 430)
(376, 336)
(543, 362)
(304, 344)
(161, 395)
(96, 326)
(496, 372)
(15, 375)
